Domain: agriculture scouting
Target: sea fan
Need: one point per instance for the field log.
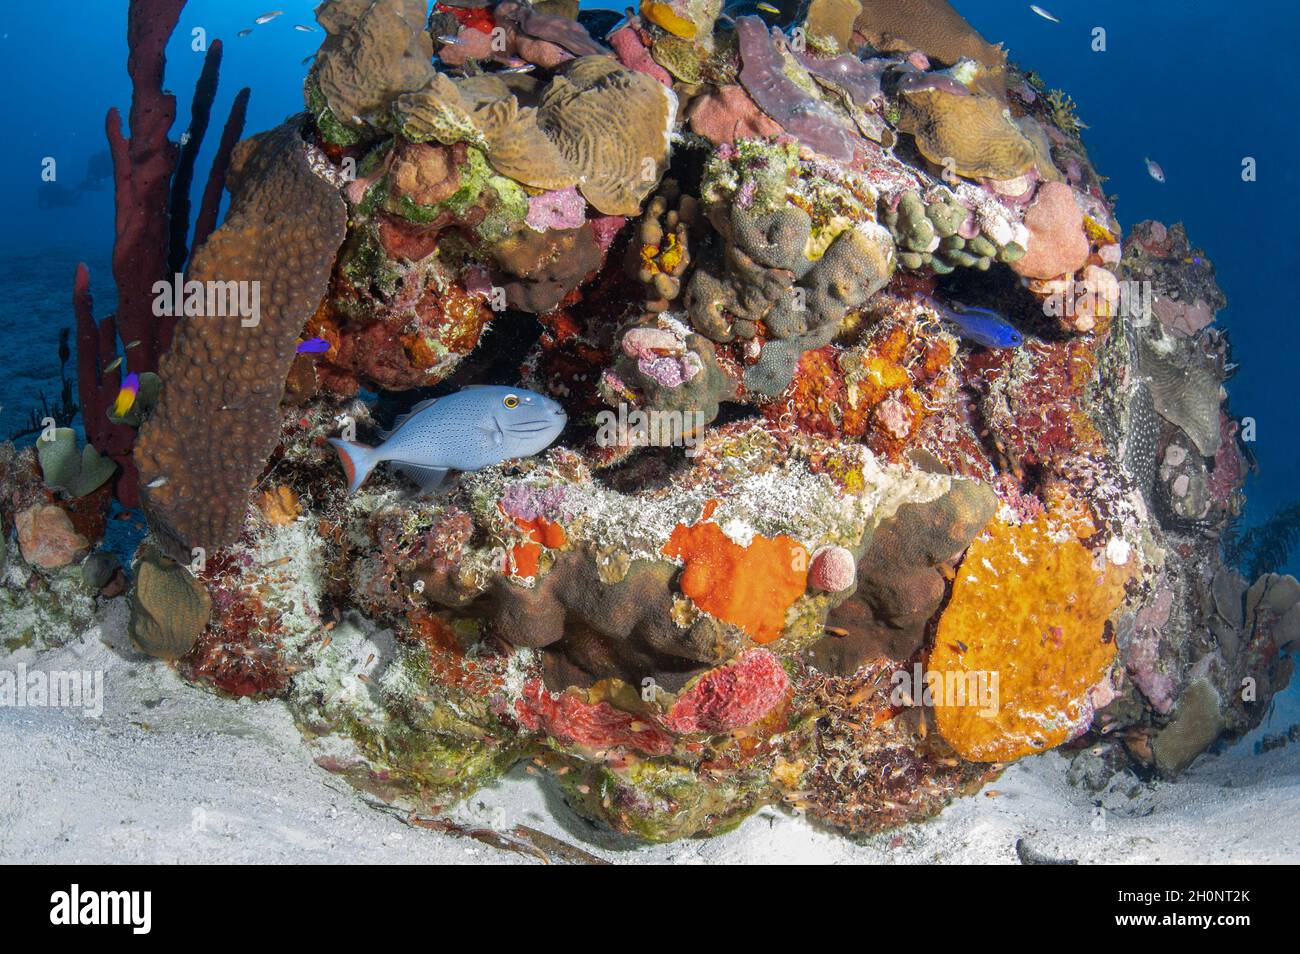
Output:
(1266, 548)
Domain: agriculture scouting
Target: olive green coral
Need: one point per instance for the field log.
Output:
(169, 607)
(66, 470)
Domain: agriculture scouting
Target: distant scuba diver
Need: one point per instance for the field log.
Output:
(54, 195)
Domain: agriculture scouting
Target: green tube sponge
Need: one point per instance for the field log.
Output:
(947, 219)
(914, 230)
(1011, 252)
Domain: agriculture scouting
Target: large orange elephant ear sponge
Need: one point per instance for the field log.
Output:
(1028, 617)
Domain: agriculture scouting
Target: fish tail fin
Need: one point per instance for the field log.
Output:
(358, 461)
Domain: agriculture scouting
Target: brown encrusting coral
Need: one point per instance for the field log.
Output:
(879, 467)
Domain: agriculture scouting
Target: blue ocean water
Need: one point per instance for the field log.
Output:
(1188, 82)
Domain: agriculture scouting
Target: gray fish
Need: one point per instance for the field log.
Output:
(469, 430)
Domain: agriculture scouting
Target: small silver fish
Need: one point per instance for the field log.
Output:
(304, 28)
(243, 33)
(113, 366)
(474, 428)
(1043, 13)
(1155, 171)
(156, 483)
(522, 68)
(268, 17)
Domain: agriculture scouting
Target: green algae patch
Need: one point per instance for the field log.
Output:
(661, 802)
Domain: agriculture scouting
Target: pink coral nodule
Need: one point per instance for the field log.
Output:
(833, 569)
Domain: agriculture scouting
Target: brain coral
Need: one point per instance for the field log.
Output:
(218, 417)
(1031, 609)
(972, 131)
(931, 26)
(612, 125)
(515, 145)
(358, 70)
(169, 607)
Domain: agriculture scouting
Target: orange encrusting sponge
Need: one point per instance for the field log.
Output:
(541, 533)
(1033, 610)
(751, 587)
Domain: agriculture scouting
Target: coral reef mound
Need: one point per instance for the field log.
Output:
(888, 457)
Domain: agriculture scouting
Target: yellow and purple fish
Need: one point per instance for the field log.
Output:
(126, 396)
(474, 428)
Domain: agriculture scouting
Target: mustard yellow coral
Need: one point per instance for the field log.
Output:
(1029, 606)
(972, 133)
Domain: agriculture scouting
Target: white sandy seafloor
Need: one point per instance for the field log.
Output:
(173, 774)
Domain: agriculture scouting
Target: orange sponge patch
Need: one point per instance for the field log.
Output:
(1030, 609)
(541, 533)
(750, 587)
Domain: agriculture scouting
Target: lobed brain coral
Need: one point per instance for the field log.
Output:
(931, 26)
(612, 125)
(375, 51)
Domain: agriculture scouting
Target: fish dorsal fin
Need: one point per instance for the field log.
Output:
(403, 418)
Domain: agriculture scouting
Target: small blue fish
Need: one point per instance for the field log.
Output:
(474, 428)
(313, 346)
(980, 325)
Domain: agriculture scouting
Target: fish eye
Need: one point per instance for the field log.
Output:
(511, 401)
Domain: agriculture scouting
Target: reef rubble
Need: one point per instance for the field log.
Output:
(842, 551)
